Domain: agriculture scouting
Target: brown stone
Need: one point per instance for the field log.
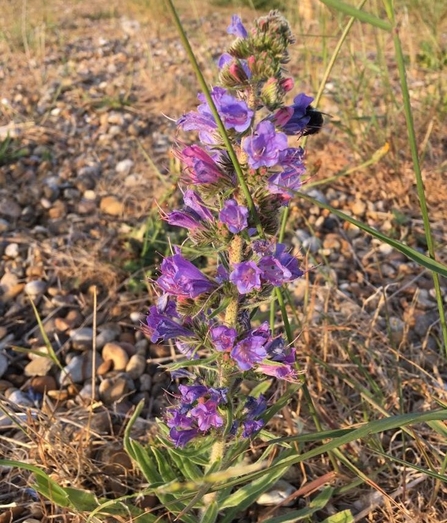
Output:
(43, 384)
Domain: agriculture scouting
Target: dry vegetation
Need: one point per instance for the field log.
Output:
(368, 328)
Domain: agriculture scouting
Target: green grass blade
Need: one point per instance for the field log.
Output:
(318, 503)
(341, 517)
(417, 166)
(373, 427)
(44, 484)
(363, 16)
(248, 494)
(413, 254)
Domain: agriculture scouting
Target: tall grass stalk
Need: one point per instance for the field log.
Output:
(389, 7)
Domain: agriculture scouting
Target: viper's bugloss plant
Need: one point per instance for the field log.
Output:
(208, 313)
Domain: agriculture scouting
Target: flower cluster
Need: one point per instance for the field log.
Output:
(208, 311)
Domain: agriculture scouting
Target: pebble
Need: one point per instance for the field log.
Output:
(6, 423)
(141, 346)
(312, 244)
(86, 391)
(19, 397)
(145, 382)
(79, 368)
(137, 317)
(35, 288)
(4, 225)
(112, 390)
(385, 249)
(12, 250)
(42, 384)
(10, 208)
(136, 366)
(277, 494)
(7, 282)
(133, 180)
(3, 364)
(124, 167)
(105, 336)
(111, 205)
(81, 339)
(358, 208)
(89, 195)
(424, 299)
(105, 367)
(316, 194)
(397, 327)
(39, 366)
(424, 322)
(73, 320)
(100, 422)
(114, 351)
(332, 242)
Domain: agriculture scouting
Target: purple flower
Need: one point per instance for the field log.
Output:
(280, 267)
(263, 330)
(177, 418)
(251, 426)
(254, 407)
(201, 167)
(285, 183)
(179, 277)
(191, 393)
(160, 327)
(224, 60)
(288, 260)
(246, 276)
(233, 112)
(182, 437)
(234, 216)
(218, 395)
(237, 28)
(280, 371)
(292, 157)
(188, 220)
(193, 201)
(193, 215)
(295, 118)
(263, 148)
(206, 415)
(203, 123)
(223, 338)
(249, 351)
(281, 361)
(187, 349)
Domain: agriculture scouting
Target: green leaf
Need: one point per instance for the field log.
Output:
(212, 511)
(82, 500)
(318, 503)
(189, 469)
(144, 461)
(315, 505)
(341, 517)
(44, 484)
(197, 455)
(248, 494)
(363, 16)
(413, 254)
(373, 427)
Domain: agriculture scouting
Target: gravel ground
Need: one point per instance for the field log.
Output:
(89, 154)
